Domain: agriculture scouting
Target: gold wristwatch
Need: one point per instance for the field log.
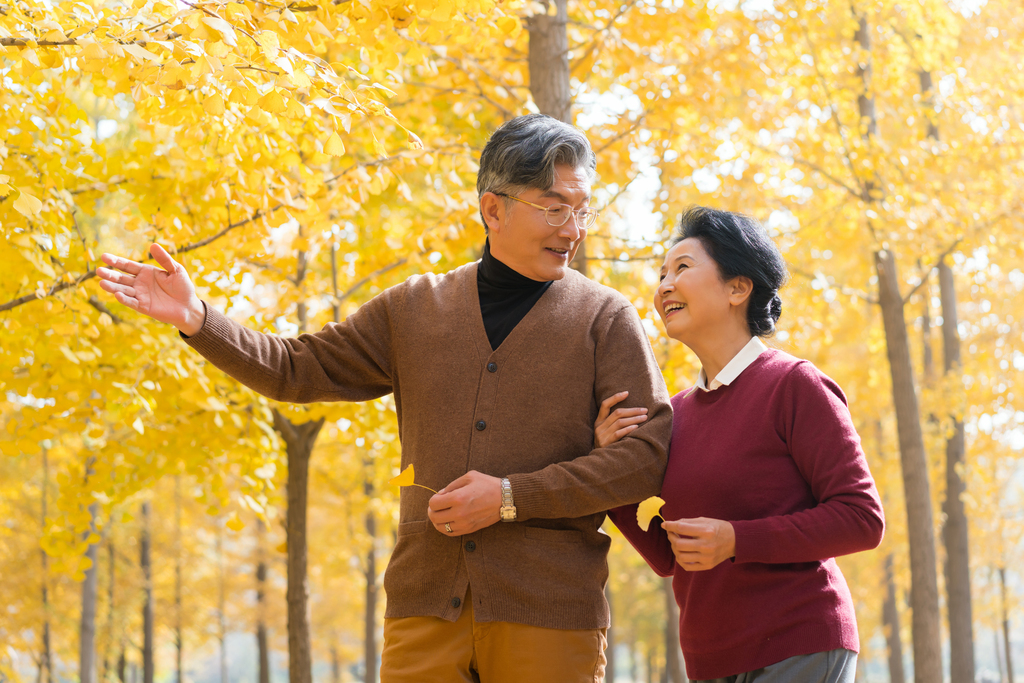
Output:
(508, 506)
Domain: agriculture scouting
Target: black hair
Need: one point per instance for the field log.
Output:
(740, 246)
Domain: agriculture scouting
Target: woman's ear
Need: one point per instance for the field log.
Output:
(493, 210)
(740, 289)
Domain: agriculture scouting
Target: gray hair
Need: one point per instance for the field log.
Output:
(522, 155)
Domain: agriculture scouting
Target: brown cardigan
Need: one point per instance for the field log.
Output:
(525, 411)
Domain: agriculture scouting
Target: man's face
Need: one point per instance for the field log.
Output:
(520, 235)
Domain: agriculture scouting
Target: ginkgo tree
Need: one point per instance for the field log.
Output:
(299, 157)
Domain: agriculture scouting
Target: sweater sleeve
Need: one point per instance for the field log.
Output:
(348, 361)
(627, 471)
(653, 544)
(814, 419)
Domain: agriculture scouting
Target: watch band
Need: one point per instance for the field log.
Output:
(508, 506)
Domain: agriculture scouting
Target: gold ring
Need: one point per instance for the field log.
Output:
(448, 527)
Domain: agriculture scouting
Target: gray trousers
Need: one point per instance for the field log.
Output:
(833, 666)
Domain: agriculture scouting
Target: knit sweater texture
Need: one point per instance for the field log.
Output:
(775, 453)
(524, 411)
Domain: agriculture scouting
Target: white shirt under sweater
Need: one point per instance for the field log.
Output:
(740, 362)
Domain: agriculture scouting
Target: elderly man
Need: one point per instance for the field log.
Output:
(497, 369)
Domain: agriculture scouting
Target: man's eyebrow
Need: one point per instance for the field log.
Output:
(561, 197)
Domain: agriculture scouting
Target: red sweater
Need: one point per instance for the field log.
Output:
(776, 454)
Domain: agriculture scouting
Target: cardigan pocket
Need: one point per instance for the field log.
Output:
(536, 533)
(410, 528)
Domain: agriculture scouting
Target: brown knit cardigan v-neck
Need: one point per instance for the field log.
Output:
(525, 411)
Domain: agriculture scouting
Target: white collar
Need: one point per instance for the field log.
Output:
(740, 362)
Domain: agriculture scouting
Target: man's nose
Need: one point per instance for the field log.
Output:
(570, 229)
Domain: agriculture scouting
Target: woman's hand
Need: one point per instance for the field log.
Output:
(700, 544)
(613, 425)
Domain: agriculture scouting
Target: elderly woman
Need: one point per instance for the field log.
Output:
(766, 482)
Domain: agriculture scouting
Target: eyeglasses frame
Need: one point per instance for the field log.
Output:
(546, 209)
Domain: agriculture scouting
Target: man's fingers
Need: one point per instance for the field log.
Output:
(109, 275)
(164, 259)
(114, 288)
(128, 301)
(124, 264)
(439, 502)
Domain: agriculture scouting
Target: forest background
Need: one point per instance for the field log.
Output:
(160, 522)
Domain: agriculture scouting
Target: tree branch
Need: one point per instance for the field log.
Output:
(61, 286)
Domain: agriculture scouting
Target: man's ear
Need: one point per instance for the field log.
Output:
(740, 289)
(492, 208)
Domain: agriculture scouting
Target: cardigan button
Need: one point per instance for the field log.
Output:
(481, 426)
(456, 602)
(492, 367)
(470, 546)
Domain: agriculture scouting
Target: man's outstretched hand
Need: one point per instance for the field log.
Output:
(166, 295)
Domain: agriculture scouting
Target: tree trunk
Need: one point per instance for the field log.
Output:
(999, 656)
(891, 625)
(299, 440)
(549, 61)
(46, 657)
(148, 664)
(370, 617)
(112, 575)
(177, 581)
(924, 592)
(87, 641)
(335, 664)
(1006, 626)
(261, 608)
(673, 654)
(549, 76)
(954, 532)
(609, 669)
(222, 625)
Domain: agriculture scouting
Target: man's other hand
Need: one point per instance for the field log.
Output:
(468, 504)
(166, 295)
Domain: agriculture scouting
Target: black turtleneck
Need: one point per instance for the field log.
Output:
(505, 296)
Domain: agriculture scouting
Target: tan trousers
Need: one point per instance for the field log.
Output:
(432, 650)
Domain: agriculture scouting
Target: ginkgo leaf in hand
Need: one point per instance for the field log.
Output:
(647, 511)
(408, 478)
(27, 205)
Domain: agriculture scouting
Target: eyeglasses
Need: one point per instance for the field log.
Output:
(557, 215)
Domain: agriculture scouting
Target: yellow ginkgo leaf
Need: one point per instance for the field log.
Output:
(282, 548)
(336, 148)
(27, 205)
(647, 511)
(408, 478)
(235, 524)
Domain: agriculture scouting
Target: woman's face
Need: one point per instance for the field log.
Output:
(692, 298)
